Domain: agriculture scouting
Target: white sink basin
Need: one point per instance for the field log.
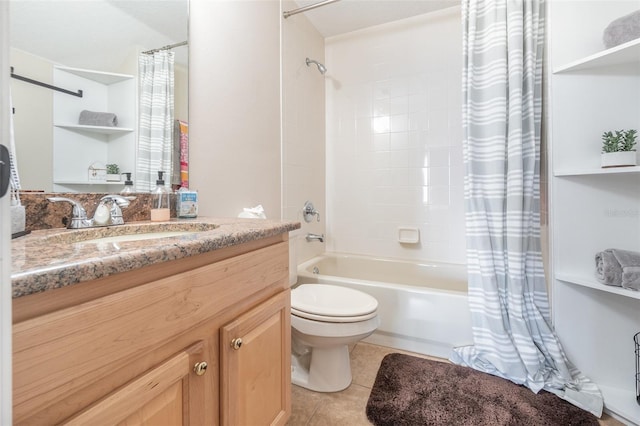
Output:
(138, 237)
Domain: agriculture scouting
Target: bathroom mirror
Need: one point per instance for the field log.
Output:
(104, 36)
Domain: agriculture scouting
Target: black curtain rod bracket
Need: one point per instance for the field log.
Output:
(48, 86)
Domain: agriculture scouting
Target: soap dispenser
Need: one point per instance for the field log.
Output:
(128, 185)
(160, 201)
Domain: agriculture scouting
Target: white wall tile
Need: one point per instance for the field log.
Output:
(401, 83)
(303, 144)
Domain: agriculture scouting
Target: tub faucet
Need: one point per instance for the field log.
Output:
(314, 237)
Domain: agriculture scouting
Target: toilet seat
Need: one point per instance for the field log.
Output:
(330, 303)
(324, 318)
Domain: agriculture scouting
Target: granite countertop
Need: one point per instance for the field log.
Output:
(45, 259)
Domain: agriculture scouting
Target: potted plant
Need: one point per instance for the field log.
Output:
(618, 148)
(113, 173)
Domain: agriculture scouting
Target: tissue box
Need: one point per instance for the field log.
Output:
(17, 219)
(187, 204)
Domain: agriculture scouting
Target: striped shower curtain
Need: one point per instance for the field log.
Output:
(502, 85)
(155, 127)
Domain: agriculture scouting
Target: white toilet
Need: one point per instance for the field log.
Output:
(325, 319)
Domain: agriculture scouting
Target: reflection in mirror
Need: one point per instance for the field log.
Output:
(97, 46)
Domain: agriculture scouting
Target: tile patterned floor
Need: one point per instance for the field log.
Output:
(348, 407)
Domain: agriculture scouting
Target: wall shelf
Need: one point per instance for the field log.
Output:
(104, 130)
(76, 146)
(592, 208)
(98, 76)
(597, 171)
(624, 54)
(86, 182)
(594, 284)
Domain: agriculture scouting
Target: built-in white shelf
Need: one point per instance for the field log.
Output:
(597, 171)
(626, 53)
(104, 130)
(621, 401)
(86, 182)
(586, 281)
(99, 76)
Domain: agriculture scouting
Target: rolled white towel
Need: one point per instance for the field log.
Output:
(93, 118)
(630, 263)
(608, 269)
(622, 30)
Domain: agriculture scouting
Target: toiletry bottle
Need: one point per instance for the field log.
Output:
(128, 186)
(160, 201)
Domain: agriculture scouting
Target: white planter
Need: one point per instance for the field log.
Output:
(618, 159)
(113, 178)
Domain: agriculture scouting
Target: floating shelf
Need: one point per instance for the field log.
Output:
(594, 284)
(597, 171)
(99, 76)
(85, 182)
(104, 130)
(626, 53)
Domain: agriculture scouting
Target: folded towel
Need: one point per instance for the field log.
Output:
(622, 30)
(631, 277)
(630, 263)
(92, 118)
(608, 269)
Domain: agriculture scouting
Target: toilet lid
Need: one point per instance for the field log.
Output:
(325, 300)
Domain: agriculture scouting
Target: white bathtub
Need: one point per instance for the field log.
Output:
(422, 306)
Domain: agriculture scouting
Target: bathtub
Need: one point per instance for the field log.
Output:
(422, 306)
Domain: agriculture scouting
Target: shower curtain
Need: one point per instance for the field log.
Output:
(502, 85)
(155, 127)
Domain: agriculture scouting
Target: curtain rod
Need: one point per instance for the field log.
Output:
(168, 47)
(286, 14)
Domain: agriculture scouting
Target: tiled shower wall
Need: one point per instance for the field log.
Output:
(394, 151)
(303, 133)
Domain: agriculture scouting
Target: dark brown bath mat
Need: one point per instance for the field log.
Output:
(416, 391)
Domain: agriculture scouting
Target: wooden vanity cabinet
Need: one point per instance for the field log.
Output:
(255, 352)
(128, 349)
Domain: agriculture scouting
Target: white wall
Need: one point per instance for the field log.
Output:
(5, 231)
(33, 120)
(234, 106)
(303, 117)
(394, 150)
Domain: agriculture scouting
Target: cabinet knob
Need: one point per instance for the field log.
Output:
(236, 343)
(200, 368)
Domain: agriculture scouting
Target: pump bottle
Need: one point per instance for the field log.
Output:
(128, 185)
(160, 201)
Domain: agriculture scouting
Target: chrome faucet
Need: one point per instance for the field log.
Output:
(79, 219)
(315, 237)
(78, 216)
(115, 211)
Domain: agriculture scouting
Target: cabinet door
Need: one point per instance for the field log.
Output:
(256, 365)
(168, 394)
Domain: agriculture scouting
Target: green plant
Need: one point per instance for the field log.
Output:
(621, 140)
(113, 169)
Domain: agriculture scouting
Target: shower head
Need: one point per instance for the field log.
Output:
(321, 67)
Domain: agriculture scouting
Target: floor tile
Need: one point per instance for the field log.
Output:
(607, 420)
(365, 362)
(303, 405)
(343, 408)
